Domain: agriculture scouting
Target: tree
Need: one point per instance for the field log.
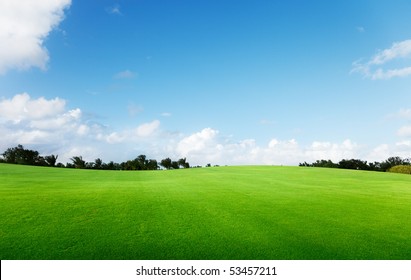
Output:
(393, 161)
(353, 164)
(166, 163)
(98, 163)
(182, 162)
(325, 163)
(141, 162)
(51, 160)
(174, 165)
(19, 155)
(11, 154)
(78, 162)
(152, 164)
(112, 166)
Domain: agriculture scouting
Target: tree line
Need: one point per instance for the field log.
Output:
(361, 164)
(20, 155)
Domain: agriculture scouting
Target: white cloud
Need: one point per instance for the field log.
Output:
(376, 68)
(21, 107)
(115, 137)
(379, 153)
(202, 142)
(397, 50)
(43, 123)
(59, 130)
(405, 113)
(384, 151)
(24, 26)
(208, 146)
(381, 74)
(147, 129)
(405, 131)
(332, 151)
(58, 121)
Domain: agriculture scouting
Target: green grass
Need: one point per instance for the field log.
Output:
(249, 212)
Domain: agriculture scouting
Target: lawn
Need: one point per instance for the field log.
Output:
(246, 212)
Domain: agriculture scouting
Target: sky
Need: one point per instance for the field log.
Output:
(227, 82)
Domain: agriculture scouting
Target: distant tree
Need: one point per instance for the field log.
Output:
(175, 165)
(353, 164)
(182, 162)
(375, 166)
(152, 164)
(19, 155)
(11, 154)
(166, 163)
(98, 163)
(141, 162)
(78, 162)
(208, 165)
(51, 160)
(393, 161)
(325, 163)
(112, 166)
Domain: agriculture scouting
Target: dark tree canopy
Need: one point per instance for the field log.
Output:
(19, 155)
(360, 164)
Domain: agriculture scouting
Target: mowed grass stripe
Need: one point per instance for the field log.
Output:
(247, 212)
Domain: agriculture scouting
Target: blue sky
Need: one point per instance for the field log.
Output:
(225, 82)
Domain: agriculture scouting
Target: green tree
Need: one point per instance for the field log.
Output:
(182, 162)
(166, 163)
(78, 162)
(19, 155)
(51, 160)
(98, 163)
(175, 165)
(152, 164)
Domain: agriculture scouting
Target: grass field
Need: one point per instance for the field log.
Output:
(248, 212)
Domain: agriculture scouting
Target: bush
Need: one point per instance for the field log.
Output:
(405, 169)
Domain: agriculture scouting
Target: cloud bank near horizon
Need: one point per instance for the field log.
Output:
(51, 127)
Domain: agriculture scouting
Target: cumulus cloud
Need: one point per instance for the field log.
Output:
(207, 145)
(376, 67)
(21, 107)
(50, 127)
(405, 131)
(333, 151)
(384, 151)
(147, 129)
(405, 113)
(24, 26)
(26, 120)
(198, 142)
(53, 128)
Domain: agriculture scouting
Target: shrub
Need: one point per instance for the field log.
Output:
(405, 169)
